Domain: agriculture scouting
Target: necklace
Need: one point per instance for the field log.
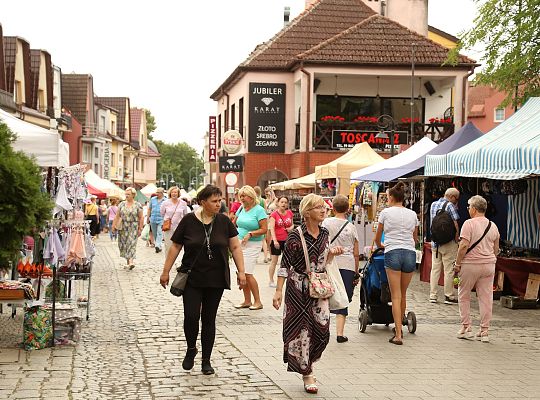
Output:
(207, 234)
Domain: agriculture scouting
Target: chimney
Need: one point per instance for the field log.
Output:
(410, 13)
(286, 15)
(309, 3)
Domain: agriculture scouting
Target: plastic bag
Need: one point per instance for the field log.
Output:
(145, 234)
(339, 299)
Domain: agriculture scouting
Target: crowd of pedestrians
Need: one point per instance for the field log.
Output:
(212, 234)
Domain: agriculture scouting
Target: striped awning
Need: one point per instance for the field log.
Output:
(509, 151)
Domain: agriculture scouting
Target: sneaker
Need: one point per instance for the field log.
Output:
(448, 300)
(465, 333)
(272, 284)
(432, 299)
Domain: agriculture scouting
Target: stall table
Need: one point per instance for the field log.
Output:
(516, 270)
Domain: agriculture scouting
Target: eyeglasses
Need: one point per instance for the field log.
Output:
(321, 207)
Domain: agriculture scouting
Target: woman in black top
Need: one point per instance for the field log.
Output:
(206, 236)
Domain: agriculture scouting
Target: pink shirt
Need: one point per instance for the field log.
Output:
(472, 230)
(173, 211)
(282, 222)
(112, 212)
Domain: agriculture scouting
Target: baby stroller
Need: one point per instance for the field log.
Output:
(375, 296)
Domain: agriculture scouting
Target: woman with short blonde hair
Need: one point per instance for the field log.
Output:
(129, 223)
(306, 320)
(173, 209)
(252, 225)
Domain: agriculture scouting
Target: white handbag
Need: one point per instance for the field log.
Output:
(339, 299)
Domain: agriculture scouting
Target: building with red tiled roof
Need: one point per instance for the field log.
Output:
(338, 58)
(485, 109)
(144, 164)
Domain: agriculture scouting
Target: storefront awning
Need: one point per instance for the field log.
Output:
(509, 151)
(45, 145)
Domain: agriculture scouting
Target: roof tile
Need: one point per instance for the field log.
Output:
(75, 95)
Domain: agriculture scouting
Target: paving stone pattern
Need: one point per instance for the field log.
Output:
(132, 348)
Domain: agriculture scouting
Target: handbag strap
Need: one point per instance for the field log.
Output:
(304, 246)
(178, 202)
(479, 240)
(341, 230)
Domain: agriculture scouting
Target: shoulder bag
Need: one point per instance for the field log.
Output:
(339, 232)
(168, 222)
(320, 286)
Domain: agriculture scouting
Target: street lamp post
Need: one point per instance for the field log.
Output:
(387, 124)
(167, 180)
(410, 139)
(196, 176)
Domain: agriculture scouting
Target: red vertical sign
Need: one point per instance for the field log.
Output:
(212, 139)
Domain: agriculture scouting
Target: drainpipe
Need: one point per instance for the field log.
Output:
(464, 101)
(308, 115)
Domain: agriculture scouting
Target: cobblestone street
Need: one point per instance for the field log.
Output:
(132, 348)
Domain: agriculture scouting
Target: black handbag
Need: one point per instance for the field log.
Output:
(179, 283)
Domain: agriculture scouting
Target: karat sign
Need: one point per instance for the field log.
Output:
(345, 139)
(231, 164)
(266, 118)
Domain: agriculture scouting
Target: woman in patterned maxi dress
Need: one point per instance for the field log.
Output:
(306, 320)
(131, 215)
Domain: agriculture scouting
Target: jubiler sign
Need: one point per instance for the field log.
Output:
(266, 118)
(344, 139)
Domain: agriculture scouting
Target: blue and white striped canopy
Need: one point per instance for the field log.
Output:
(509, 151)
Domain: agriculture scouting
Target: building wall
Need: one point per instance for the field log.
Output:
(450, 44)
(73, 139)
(487, 123)
(20, 74)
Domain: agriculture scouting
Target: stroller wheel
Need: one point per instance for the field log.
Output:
(411, 322)
(362, 320)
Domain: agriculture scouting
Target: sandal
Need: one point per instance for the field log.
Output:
(393, 340)
(311, 388)
(242, 305)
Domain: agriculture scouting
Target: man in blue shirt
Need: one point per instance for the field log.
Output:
(443, 256)
(155, 219)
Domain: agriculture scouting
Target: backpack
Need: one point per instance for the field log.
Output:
(443, 229)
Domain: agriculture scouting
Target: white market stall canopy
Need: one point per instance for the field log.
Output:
(149, 189)
(509, 151)
(462, 137)
(360, 156)
(414, 152)
(45, 145)
(104, 185)
(304, 182)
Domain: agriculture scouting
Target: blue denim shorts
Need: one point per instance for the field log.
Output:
(400, 260)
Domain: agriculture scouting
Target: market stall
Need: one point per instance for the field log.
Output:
(45, 145)
(103, 185)
(295, 190)
(335, 175)
(504, 162)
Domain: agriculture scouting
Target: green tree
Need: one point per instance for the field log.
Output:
(510, 32)
(150, 124)
(179, 159)
(22, 204)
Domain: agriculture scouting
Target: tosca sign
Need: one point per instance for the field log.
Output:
(266, 118)
(345, 139)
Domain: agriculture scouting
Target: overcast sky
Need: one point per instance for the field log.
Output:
(168, 56)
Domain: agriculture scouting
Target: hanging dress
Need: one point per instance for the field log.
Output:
(127, 236)
(306, 321)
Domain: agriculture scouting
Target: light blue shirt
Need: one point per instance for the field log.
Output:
(248, 221)
(155, 215)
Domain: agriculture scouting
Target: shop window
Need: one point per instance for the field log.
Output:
(350, 107)
(87, 153)
(499, 115)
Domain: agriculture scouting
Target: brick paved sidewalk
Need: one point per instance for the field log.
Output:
(133, 346)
